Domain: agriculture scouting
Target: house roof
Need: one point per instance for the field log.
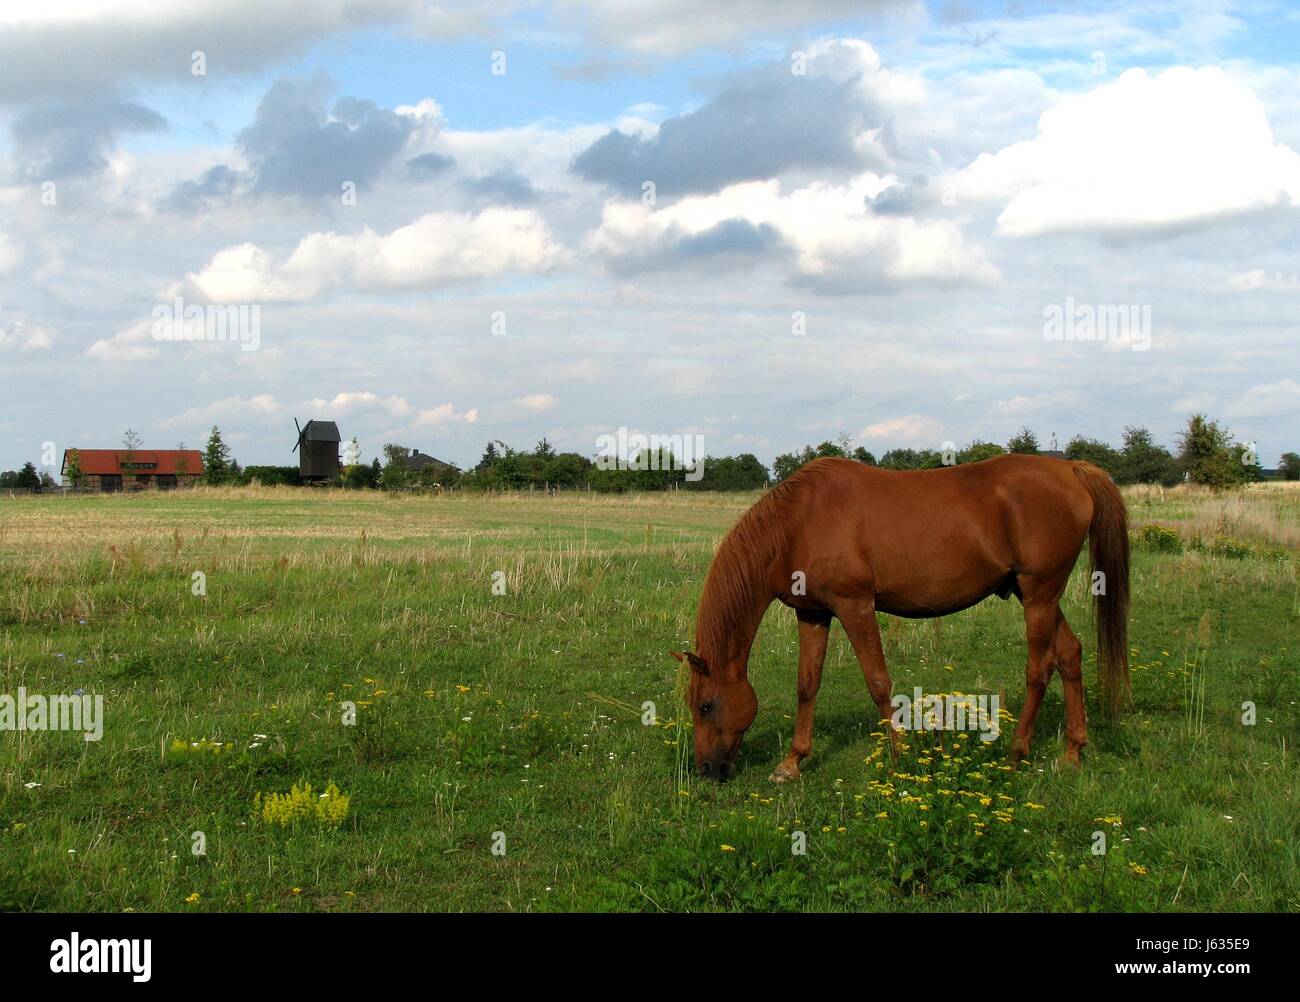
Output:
(97, 462)
(422, 460)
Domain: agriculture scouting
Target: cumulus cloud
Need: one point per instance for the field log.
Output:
(427, 166)
(69, 138)
(767, 121)
(72, 48)
(1141, 153)
(538, 402)
(834, 241)
(674, 27)
(10, 253)
(1266, 400)
(437, 248)
(229, 408)
(20, 336)
(360, 402)
(296, 148)
(300, 145)
(911, 430)
(1260, 280)
(131, 344)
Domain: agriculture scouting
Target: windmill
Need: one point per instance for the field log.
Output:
(318, 451)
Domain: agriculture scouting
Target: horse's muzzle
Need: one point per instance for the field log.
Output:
(719, 769)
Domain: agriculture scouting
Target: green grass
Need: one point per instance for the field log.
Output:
(521, 713)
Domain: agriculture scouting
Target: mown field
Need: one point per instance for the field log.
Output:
(521, 714)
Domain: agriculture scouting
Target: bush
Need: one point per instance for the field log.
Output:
(1158, 539)
(1233, 549)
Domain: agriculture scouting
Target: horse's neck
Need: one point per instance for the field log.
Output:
(731, 617)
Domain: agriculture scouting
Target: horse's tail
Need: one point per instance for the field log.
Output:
(1108, 554)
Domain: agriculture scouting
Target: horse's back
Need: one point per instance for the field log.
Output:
(929, 542)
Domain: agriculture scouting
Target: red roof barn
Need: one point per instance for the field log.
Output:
(137, 469)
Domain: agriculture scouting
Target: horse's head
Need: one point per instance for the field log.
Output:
(723, 706)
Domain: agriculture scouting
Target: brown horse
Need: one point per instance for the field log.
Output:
(845, 540)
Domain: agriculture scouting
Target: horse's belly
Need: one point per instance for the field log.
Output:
(922, 599)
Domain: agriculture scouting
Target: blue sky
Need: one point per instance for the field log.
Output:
(931, 183)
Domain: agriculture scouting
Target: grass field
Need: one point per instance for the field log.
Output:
(521, 714)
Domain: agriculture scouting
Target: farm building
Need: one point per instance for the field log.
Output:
(318, 451)
(134, 470)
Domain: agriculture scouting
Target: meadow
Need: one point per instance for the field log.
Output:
(462, 681)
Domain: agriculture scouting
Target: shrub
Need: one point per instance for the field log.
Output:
(1159, 539)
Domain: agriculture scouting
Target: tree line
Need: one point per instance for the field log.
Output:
(1207, 453)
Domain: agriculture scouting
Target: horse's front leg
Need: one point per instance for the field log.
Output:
(814, 631)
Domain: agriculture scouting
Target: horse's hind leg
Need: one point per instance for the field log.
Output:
(1069, 663)
(814, 631)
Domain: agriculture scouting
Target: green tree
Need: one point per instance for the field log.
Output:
(72, 467)
(1024, 442)
(490, 457)
(911, 459)
(1289, 466)
(1208, 454)
(28, 477)
(978, 450)
(1141, 461)
(130, 442)
(1094, 451)
(396, 474)
(730, 473)
(216, 459)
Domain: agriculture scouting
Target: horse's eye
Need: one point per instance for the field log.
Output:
(706, 708)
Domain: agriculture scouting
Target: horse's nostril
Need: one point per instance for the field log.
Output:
(706, 768)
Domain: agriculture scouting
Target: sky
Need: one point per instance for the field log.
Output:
(763, 223)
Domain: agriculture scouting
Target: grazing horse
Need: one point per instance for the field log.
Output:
(844, 540)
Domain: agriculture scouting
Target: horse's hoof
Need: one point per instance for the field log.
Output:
(782, 775)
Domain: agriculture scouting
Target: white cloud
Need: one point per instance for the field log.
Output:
(436, 249)
(538, 402)
(1266, 400)
(230, 408)
(436, 417)
(358, 402)
(20, 337)
(132, 344)
(912, 430)
(835, 238)
(1140, 153)
(1036, 404)
(10, 255)
(674, 27)
(1260, 280)
(104, 42)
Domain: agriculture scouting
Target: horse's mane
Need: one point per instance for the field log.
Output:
(738, 578)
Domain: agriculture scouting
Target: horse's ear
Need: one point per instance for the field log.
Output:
(696, 662)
